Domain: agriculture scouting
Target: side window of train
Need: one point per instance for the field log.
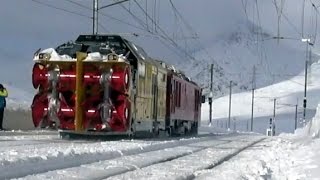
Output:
(142, 69)
(179, 102)
(196, 95)
(175, 93)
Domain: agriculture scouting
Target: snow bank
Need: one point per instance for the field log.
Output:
(312, 128)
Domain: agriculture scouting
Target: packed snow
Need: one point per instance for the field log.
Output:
(287, 156)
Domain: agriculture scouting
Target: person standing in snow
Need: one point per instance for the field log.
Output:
(3, 95)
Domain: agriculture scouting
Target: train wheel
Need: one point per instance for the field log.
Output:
(186, 131)
(170, 131)
(194, 128)
(155, 130)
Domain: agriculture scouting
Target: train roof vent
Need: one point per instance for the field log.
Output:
(163, 64)
(172, 68)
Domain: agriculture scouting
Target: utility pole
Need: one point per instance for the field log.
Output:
(307, 41)
(96, 9)
(305, 89)
(253, 88)
(230, 93)
(274, 115)
(210, 95)
(296, 117)
(274, 107)
(95, 16)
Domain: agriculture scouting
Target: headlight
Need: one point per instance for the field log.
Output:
(113, 57)
(44, 56)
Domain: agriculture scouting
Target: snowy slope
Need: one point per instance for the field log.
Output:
(238, 52)
(287, 94)
(245, 41)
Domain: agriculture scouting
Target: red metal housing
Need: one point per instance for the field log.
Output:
(183, 99)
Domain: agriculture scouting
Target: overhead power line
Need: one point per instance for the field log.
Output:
(89, 17)
(79, 4)
(193, 32)
(162, 39)
(61, 9)
(122, 21)
(104, 28)
(137, 19)
(288, 20)
(189, 27)
(316, 21)
(302, 17)
(164, 34)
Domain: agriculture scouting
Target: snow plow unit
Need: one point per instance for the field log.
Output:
(106, 85)
(90, 92)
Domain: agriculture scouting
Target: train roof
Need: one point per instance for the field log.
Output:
(175, 72)
(119, 43)
(114, 40)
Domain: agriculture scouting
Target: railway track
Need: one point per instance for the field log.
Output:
(134, 163)
(40, 163)
(27, 133)
(185, 167)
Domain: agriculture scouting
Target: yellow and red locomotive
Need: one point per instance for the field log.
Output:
(108, 85)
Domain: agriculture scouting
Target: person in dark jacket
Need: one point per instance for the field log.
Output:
(3, 95)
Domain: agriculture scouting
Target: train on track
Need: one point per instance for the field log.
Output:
(105, 84)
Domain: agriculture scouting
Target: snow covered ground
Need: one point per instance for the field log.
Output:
(224, 155)
(287, 156)
(45, 156)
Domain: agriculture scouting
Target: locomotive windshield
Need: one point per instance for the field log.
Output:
(104, 44)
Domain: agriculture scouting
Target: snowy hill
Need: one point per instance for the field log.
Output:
(238, 52)
(287, 94)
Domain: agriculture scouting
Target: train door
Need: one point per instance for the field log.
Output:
(168, 100)
(155, 96)
(196, 104)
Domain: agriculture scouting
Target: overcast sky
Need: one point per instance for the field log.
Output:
(27, 26)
